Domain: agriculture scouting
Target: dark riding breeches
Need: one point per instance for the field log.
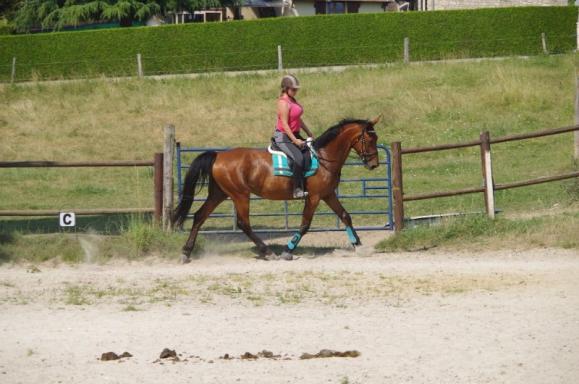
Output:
(295, 153)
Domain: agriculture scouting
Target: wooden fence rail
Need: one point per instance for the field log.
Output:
(486, 164)
(156, 163)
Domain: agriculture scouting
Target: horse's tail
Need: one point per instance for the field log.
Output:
(199, 173)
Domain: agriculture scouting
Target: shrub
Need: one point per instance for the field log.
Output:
(306, 42)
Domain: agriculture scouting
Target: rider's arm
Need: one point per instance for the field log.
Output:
(283, 112)
(305, 128)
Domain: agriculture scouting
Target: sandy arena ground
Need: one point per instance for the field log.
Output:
(424, 317)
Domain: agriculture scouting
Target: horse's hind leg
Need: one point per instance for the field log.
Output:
(242, 208)
(215, 197)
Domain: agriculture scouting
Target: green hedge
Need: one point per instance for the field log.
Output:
(306, 41)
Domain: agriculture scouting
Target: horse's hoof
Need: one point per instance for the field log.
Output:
(185, 259)
(272, 256)
(287, 256)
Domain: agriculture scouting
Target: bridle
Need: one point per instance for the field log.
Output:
(365, 156)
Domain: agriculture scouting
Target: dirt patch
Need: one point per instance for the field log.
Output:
(420, 317)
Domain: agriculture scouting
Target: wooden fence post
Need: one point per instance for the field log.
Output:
(577, 47)
(139, 65)
(576, 134)
(397, 186)
(158, 186)
(487, 171)
(168, 157)
(279, 59)
(544, 42)
(13, 77)
(406, 50)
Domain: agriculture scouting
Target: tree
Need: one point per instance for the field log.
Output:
(126, 11)
(8, 7)
(55, 14)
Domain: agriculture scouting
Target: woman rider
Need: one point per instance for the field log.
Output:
(286, 134)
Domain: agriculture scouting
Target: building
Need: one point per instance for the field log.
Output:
(470, 4)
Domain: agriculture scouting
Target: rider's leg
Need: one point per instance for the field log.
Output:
(289, 148)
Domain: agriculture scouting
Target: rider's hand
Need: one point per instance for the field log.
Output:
(300, 143)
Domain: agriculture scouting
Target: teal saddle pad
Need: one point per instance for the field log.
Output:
(281, 164)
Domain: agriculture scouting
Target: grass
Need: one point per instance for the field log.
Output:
(479, 231)
(137, 237)
(423, 105)
(339, 289)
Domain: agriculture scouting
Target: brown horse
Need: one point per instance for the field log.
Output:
(238, 172)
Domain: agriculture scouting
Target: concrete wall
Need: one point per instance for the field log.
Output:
(462, 4)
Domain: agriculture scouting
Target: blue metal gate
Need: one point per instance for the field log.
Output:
(367, 199)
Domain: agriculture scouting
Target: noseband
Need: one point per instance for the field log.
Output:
(365, 156)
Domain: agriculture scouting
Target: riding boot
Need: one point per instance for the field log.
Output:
(298, 181)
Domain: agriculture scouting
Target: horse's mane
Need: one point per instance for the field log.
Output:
(333, 132)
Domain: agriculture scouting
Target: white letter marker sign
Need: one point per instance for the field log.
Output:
(67, 219)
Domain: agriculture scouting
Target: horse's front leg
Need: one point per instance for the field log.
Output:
(309, 209)
(339, 210)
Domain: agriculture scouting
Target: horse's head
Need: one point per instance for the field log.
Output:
(365, 144)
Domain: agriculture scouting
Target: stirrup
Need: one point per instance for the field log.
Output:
(300, 194)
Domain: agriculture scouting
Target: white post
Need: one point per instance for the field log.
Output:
(544, 41)
(406, 50)
(13, 77)
(576, 134)
(279, 59)
(488, 174)
(577, 33)
(139, 65)
(168, 156)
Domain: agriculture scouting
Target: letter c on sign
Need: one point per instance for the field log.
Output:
(67, 219)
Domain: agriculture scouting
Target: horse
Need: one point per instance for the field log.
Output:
(239, 172)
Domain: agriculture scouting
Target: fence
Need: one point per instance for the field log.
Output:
(374, 189)
(156, 163)
(283, 57)
(489, 186)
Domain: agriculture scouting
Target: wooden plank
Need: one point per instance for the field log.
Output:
(545, 132)
(443, 194)
(538, 180)
(397, 186)
(63, 164)
(80, 212)
(522, 136)
(441, 147)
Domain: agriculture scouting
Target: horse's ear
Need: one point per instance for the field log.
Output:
(377, 119)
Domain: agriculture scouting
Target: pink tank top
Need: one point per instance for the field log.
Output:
(294, 115)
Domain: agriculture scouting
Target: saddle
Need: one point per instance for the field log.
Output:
(283, 164)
